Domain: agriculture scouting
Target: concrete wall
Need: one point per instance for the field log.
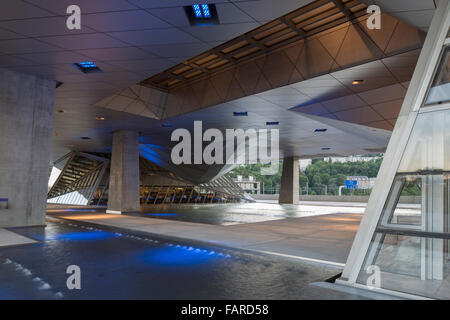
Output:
(289, 181)
(123, 194)
(403, 199)
(26, 125)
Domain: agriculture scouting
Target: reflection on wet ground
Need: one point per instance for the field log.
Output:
(119, 265)
(238, 213)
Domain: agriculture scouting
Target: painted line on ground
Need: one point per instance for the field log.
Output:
(337, 264)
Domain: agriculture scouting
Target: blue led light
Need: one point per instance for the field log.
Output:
(80, 236)
(206, 12)
(197, 11)
(179, 256)
(162, 214)
(87, 64)
(87, 67)
(202, 11)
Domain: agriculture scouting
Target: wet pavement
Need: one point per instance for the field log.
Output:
(240, 213)
(123, 265)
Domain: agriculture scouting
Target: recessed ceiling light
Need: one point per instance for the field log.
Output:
(272, 123)
(326, 148)
(60, 111)
(240, 114)
(85, 138)
(166, 125)
(356, 82)
(320, 130)
(100, 118)
(87, 67)
(202, 14)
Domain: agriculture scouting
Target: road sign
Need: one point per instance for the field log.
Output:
(351, 184)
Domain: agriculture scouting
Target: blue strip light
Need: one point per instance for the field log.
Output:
(201, 11)
(206, 11)
(197, 11)
(87, 64)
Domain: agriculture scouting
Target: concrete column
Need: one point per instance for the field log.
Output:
(289, 189)
(123, 194)
(26, 126)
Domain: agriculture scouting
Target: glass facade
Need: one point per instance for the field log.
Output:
(440, 88)
(411, 245)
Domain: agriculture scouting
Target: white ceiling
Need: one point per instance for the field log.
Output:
(417, 13)
(134, 39)
(374, 103)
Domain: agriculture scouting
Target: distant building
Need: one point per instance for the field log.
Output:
(304, 163)
(363, 182)
(249, 185)
(352, 158)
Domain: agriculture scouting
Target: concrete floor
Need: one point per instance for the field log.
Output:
(117, 264)
(9, 238)
(323, 238)
(137, 257)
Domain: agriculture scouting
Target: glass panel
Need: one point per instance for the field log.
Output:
(428, 148)
(410, 245)
(410, 187)
(410, 264)
(440, 89)
(427, 208)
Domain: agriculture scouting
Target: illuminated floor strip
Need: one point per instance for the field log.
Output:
(337, 264)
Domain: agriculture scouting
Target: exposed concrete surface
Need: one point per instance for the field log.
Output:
(9, 238)
(124, 177)
(329, 198)
(361, 293)
(342, 205)
(324, 237)
(26, 125)
(289, 181)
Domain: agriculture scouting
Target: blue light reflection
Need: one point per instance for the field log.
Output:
(177, 256)
(79, 236)
(162, 214)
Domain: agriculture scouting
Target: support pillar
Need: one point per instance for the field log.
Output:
(123, 194)
(289, 189)
(26, 126)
